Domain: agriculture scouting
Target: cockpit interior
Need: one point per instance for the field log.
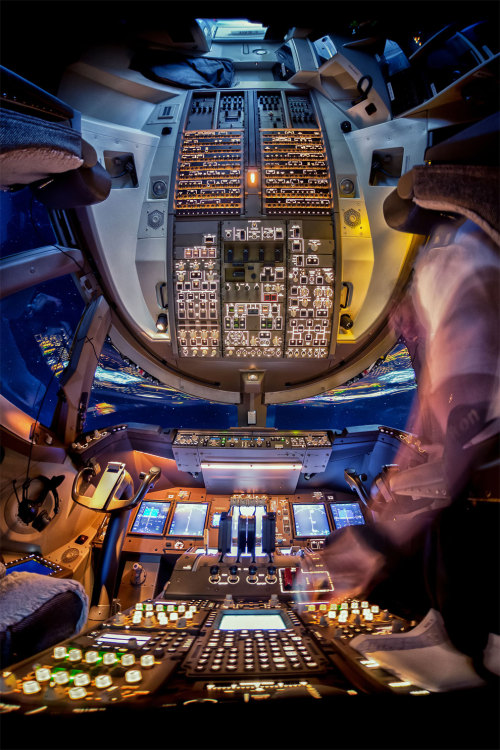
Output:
(249, 376)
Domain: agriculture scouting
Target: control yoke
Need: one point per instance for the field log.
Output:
(114, 495)
(355, 482)
(115, 489)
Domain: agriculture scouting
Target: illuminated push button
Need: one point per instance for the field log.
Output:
(80, 680)
(170, 607)
(103, 681)
(92, 657)
(137, 618)
(162, 618)
(60, 652)
(368, 615)
(147, 661)
(74, 655)
(31, 687)
(365, 605)
(173, 617)
(133, 676)
(181, 608)
(375, 609)
(61, 678)
(43, 674)
(109, 659)
(148, 607)
(77, 693)
(139, 607)
(332, 614)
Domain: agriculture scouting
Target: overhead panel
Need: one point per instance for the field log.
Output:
(255, 280)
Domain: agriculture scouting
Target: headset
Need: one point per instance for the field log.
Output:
(29, 510)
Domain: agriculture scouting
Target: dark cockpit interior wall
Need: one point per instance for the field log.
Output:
(249, 375)
(56, 48)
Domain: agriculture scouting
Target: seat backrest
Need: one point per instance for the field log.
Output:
(41, 146)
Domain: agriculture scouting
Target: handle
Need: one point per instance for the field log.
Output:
(148, 482)
(76, 489)
(350, 291)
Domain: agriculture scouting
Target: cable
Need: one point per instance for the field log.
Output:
(92, 345)
(37, 419)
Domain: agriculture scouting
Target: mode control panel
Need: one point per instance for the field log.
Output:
(265, 441)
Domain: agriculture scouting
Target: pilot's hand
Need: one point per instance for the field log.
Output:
(351, 564)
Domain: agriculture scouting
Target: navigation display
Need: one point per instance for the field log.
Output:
(310, 520)
(189, 519)
(151, 518)
(347, 514)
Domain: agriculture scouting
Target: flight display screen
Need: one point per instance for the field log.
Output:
(347, 514)
(151, 518)
(30, 566)
(189, 519)
(310, 520)
(251, 620)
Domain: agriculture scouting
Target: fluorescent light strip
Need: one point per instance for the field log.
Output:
(255, 467)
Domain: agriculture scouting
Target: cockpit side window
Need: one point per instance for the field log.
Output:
(122, 393)
(384, 394)
(37, 329)
(25, 223)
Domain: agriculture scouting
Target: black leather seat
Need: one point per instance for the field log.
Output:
(41, 146)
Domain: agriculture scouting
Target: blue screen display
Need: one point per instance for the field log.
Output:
(151, 518)
(347, 514)
(189, 519)
(31, 566)
(310, 520)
